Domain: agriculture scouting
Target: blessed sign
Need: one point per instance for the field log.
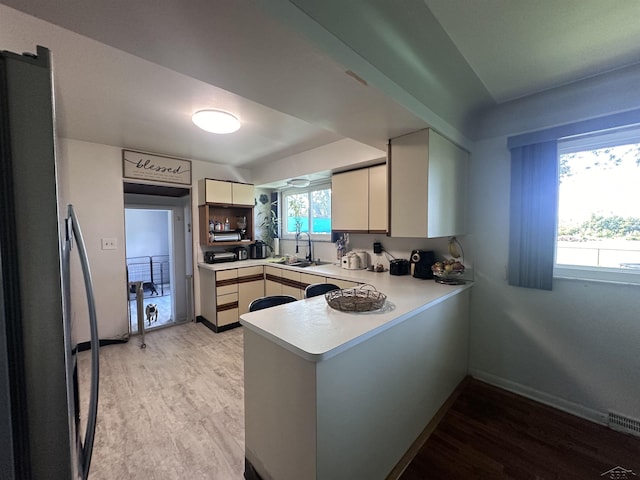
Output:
(156, 168)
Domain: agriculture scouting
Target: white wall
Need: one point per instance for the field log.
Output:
(338, 154)
(93, 183)
(577, 346)
(91, 176)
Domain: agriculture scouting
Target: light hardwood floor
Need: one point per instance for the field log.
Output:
(174, 410)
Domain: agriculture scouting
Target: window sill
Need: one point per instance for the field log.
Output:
(600, 275)
(303, 239)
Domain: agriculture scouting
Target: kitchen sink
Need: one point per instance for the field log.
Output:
(306, 263)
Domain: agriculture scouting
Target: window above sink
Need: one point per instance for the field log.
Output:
(306, 210)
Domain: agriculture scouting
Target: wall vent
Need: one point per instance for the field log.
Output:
(624, 424)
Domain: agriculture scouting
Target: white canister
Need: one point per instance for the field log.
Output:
(364, 258)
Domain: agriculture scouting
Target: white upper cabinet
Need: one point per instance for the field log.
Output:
(428, 186)
(214, 191)
(359, 200)
(350, 201)
(242, 194)
(378, 199)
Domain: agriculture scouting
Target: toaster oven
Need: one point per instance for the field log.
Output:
(218, 257)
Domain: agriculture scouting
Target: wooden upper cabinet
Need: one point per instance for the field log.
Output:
(225, 193)
(428, 186)
(359, 200)
(378, 199)
(242, 194)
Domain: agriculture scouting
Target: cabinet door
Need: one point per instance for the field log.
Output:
(447, 198)
(342, 283)
(309, 279)
(291, 284)
(250, 286)
(350, 201)
(242, 194)
(226, 281)
(208, 294)
(227, 309)
(247, 293)
(428, 186)
(378, 217)
(272, 281)
(217, 191)
(408, 163)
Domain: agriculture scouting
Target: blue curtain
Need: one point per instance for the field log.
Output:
(533, 214)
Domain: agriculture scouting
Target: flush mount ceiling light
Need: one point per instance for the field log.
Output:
(216, 121)
(298, 182)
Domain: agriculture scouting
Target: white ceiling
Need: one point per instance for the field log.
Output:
(131, 73)
(520, 47)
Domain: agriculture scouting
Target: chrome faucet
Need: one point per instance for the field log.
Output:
(309, 252)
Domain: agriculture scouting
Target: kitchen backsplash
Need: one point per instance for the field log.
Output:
(399, 248)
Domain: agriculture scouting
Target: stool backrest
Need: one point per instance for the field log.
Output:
(270, 301)
(316, 289)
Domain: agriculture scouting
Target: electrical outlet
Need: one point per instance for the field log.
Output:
(109, 244)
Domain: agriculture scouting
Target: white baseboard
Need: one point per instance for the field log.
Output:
(542, 397)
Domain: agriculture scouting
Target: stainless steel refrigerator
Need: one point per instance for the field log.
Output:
(40, 417)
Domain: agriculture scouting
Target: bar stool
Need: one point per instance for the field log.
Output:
(316, 289)
(271, 301)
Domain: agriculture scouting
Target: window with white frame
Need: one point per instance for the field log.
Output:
(307, 210)
(598, 233)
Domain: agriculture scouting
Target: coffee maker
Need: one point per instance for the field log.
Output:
(422, 261)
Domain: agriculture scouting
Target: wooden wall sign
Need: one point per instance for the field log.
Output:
(156, 168)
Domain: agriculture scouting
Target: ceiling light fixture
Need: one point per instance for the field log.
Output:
(216, 121)
(298, 182)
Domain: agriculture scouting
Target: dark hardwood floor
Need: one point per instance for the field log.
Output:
(490, 433)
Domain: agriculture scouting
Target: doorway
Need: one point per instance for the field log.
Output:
(159, 256)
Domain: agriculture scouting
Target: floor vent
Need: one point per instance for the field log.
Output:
(624, 424)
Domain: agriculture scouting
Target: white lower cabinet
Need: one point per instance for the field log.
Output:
(226, 294)
(251, 285)
(342, 283)
(282, 281)
(226, 298)
(291, 283)
(272, 281)
(310, 279)
(226, 310)
(307, 279)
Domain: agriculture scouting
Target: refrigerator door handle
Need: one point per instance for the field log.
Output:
(87, 447)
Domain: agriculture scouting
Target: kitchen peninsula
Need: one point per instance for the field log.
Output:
(331, 395)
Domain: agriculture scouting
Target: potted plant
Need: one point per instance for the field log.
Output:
(268, 221)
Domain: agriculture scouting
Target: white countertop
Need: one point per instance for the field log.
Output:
(316, 332)
(216, 267)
